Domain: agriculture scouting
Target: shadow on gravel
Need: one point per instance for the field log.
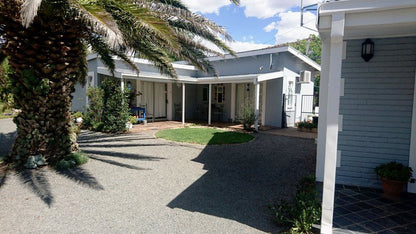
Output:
(81, 176)
(117, 145)
(121, 155)
(37, 181)
(6, 142)
(3, 176)
(117, 163)
(243, 179)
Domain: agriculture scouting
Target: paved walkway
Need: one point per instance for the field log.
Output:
(366, 210)
(136, 183)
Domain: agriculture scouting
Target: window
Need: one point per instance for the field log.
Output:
(219, 94)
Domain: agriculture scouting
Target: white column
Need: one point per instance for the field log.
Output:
(122, 83)
(411, 188)
(209, 103)
(169, 107)
(233, 97)
(183, 103)
(323, 100)
(256, 104)
(332, 112)
(263, 101)
(138, 97)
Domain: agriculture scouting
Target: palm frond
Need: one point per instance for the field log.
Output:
(99, 21)
(29, 11)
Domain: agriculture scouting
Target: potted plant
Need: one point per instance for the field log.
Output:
(394, 176)
(78, 116)
(130, 121)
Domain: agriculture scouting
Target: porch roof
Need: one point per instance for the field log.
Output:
(157, 77)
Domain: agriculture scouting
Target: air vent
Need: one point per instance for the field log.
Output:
(305, 77)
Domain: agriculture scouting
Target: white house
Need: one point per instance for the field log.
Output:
(367, 108)
(277, 82)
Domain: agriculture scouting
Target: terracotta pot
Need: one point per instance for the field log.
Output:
(392, 188)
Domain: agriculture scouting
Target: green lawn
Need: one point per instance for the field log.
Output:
(204, 136)
(7, 113)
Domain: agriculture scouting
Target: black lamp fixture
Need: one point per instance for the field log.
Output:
(248, 87)
(367, 49)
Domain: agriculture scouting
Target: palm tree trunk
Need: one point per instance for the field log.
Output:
(45, 59)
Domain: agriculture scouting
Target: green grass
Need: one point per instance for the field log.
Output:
(5, 114)
(204, 136)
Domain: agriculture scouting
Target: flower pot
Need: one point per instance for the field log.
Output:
(392, 188)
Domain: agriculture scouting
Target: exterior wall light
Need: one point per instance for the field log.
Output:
(367, 50)
(248, 87)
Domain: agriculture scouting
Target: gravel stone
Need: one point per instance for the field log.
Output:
(136, 183)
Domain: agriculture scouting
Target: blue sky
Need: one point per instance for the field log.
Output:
(257, 23)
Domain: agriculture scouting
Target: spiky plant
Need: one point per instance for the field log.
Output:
(46, 42)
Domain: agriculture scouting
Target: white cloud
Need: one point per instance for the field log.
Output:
(237, 46)
(289, 29)
(268, 8)
(206, 6)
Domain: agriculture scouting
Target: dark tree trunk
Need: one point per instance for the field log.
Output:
(45, 59)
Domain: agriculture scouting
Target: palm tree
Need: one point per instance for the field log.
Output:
(47, 41)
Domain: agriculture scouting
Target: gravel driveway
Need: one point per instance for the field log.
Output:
(136, 183)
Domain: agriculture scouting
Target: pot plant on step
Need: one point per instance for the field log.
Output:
(394, 176)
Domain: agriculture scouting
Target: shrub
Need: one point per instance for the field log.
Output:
(132, 119)
(72, 160)
(395, 171)
(78, 114)
(93, 115)
(306, 124)
(305, 211)
(116, 111)
(249, 117)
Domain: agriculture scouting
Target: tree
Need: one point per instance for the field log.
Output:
(47, 40)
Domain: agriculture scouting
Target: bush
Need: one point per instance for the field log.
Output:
(132, 119)
(305, 211)
(72, 160)
(93, 115)
(78, 114)
(395, 171)
(306, 124)
(249, 117)
(116, 111)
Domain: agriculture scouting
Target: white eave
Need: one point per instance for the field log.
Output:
(156, 77)
(371, 18)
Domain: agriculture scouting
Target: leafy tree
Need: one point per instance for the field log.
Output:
(5, 95)
(116, 110)
(311, 47)
(46, 41)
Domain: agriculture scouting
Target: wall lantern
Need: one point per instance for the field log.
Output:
(248, 87)
(367, 50)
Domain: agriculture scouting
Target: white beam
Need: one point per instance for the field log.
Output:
(183, 103)
(209, 103)
(411, 188)
(138, 97)
(169, 107)
(256, 104)
(263, 101)
(233, 97)
(323, 100)
(122, 83)
(332, 112)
